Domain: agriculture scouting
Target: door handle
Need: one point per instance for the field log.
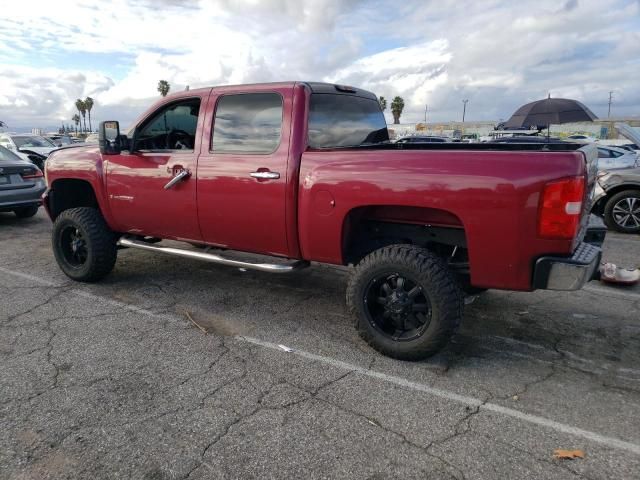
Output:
(265, 175)
(182, 175)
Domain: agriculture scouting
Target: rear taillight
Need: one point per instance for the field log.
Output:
(32, 174)
(560, 208)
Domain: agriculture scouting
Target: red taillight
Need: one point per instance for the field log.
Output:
(560, 208)
(32, 174)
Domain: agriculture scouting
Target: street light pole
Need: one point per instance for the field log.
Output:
(464, 109)
(426, 107)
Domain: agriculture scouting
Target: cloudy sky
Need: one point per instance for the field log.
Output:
(496, 54)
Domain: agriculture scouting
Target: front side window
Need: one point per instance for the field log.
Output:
(247, 123)
(345, 121)
(172, 128)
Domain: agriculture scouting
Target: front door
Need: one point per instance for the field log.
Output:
(152, 191)
(242, 172)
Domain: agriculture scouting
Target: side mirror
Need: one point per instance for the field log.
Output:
(109, 138)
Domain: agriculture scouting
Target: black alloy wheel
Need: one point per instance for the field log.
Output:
(398, 307)
(73, 246)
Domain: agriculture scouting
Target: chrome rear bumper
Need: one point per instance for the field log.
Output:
(568, 273)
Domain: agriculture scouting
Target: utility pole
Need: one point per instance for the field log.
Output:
(610, 98)
(464, 109)
(426, 107)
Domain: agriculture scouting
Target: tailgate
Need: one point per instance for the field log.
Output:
(590, 153)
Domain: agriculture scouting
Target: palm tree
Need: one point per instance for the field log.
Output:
(83, 111)
(163, 87)
(88, 103)
(383, 103)
(397, 105)
(76, 120)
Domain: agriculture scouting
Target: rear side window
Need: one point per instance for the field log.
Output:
(247, 123)
(8, 156)
(345, 121)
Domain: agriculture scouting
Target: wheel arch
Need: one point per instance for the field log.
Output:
(66, 193)
(367, 228)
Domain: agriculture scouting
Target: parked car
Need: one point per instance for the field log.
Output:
(527, 139)
(617, 199)
(304, 172)
(33, 148)
(60, 140)
(21, 185)
(581, 138)
(423, 139)
(91, 138)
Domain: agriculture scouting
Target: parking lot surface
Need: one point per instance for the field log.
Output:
(113, 380)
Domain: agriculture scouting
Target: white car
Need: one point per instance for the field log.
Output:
(32, 148)
(579, 138)
(24, 141)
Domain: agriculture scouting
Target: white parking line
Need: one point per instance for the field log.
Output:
(26, 276)
(463, 399)
(402, 382)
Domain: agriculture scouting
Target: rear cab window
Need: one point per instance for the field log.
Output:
(338, 120)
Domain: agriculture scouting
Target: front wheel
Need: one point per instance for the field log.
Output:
(406, 302)
(622, 211)
(84, 246)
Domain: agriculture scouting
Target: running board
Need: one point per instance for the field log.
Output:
(131, 242)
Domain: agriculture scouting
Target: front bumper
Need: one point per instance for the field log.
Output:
(568, 273)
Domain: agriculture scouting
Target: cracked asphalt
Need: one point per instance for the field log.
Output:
(112, 380)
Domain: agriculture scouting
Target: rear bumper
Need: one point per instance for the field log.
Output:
(568, 273)
(21, 197)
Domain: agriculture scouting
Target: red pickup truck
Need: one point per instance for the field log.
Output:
(305, 172)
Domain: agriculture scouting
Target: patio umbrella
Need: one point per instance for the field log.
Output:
(550, 111)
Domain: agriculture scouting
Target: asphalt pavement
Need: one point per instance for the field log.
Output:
(116, 380)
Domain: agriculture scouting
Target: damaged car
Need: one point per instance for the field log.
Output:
(33, 148)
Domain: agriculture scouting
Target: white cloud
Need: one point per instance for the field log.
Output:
(496, 54)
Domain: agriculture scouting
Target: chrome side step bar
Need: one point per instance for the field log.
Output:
(127, 241)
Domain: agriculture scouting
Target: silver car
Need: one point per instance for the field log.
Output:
(21, 185)
(617, 199)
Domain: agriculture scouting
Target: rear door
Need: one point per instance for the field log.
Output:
(242, 174)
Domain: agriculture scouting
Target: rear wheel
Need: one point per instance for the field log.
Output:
(84, 246)
(26, 212)
(622, 211)
(406, 302)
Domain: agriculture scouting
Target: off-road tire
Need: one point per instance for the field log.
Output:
(608, 210)
(438, 283)
(100, 244)
(26, 212)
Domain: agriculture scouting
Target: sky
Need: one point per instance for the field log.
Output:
(497, 55)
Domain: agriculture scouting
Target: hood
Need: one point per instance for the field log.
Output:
(630, 133)
(40, 150)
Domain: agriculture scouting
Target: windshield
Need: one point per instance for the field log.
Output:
(345, 121)
(33, 141)
(8, 156)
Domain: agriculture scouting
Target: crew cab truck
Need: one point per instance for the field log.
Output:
(305, 172)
